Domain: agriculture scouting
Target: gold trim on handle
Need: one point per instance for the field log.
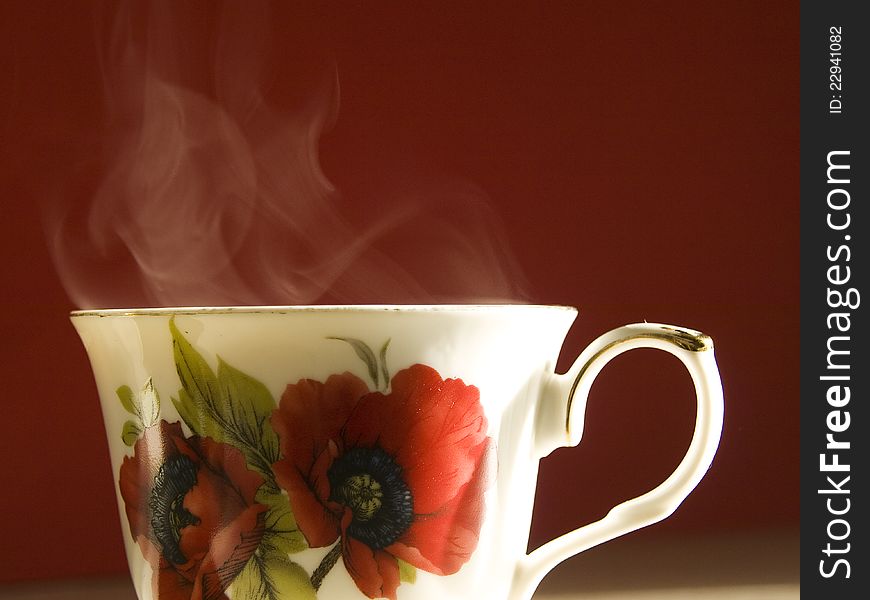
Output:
(693, 341)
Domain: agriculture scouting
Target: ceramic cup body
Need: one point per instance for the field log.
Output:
(341, 452)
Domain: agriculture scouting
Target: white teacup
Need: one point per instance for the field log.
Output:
(360, 451)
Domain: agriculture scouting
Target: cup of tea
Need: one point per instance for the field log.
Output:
(340, 452)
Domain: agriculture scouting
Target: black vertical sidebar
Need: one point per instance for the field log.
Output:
(835, 370)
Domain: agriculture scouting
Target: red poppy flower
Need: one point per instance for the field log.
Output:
(190, 505)
(393, 476)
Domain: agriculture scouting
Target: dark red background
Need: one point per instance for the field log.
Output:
(644, 158)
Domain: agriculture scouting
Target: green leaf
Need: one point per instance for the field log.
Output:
(250, 407)
(229, 407)
(383, 357)
(149, 404)
(365, 353)
(272, 577)
(198, 417)
(130, 433)
(282, 533)
(407, 571)
(197, 378)
(184, 405)
(125, 395)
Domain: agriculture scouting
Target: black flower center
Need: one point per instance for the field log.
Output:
(174, 479)
(369, 482)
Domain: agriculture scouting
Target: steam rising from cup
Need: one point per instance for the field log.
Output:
(211, 190)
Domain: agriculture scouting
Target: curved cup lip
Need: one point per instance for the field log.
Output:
(320, 308)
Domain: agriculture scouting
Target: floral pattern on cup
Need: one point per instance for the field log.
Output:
(392, 476)
(191, 508)
(388, 480)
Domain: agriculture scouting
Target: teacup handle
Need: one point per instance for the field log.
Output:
(560, 423)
